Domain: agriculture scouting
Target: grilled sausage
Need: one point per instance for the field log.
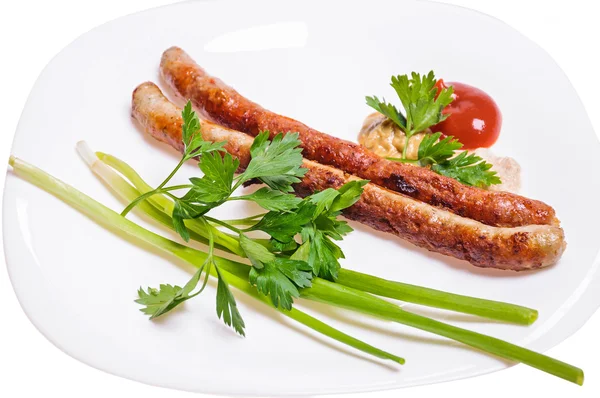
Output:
(517, 248)
(227, 107)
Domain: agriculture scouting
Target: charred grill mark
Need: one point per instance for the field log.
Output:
(399, 184)
(439, 202)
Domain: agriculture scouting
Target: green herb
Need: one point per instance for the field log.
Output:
(283, 226)
(469, 169)
(316, 220)
(423, 105)
(255, 252)
(215, 185)
(280, 279)
(465, 167)
(277, 163)
(432, 150)
(388, 110)
(318, 248)
(421, 101)
(227, 306)
(270, 199)
(160, 301)
(192, 138)
(184, 211)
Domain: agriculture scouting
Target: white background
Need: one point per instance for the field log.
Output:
(32, 32)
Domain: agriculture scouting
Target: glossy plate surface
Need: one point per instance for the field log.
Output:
(314, 61)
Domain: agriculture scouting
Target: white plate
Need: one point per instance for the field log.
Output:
(314, 61)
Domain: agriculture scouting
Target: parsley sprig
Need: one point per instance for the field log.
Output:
(318, 248)
(282, 266)
(160, 301)
(465, 167)
(423, 105)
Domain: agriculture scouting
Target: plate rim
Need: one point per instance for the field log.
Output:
(548, 343)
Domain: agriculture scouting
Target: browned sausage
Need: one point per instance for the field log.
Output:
(435, 229)
(227, 107)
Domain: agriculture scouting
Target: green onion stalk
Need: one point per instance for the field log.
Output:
(490, 309)
(122, 226)
(324, 291)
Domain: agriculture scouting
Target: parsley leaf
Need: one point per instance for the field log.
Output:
(276, 163)
(283, 226)
(227, 306)
(330, 225)
(194, 144)
(275, 276)
(281, 279)
(388, 110)
(191, 125)
(432, 151)
(215, 185)
(160, 301)
(257, 253)
(183, 210)
(318, 248)
(283, 247)
(199, 147)
(270, 199)
(316, 221)
(321, 253)
(421, 100)
(206, 192)
(323, 200)
(350, 193)
(469, 169)
(332, 201)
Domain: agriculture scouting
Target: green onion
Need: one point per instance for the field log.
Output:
(342, 296)
(321, 290)
(436, 298)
